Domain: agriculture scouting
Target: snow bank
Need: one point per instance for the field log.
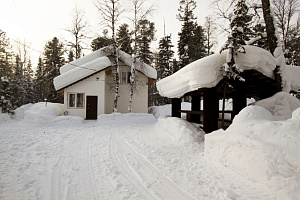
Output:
(293, 74)
(181, 130)
(206, 72)
(281, 105)
(261, 149)
(19, 113)
(40, 113)
(164, 110)
(4, 117)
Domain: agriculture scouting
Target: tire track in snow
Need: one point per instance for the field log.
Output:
(147, 179)
(73, 175)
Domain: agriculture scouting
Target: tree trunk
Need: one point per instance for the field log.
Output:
(272, 39)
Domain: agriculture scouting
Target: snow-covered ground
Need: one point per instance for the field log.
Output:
(126, 156)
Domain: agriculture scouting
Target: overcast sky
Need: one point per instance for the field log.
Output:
(38, 21)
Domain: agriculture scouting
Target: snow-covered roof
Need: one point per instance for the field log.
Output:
(206, 72)
(95, 62)
(77, 73)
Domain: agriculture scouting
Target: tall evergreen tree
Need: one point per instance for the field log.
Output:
(145, 35)
(164, 65)
(39, 81)
(30, 93)
(53, 60)
(165, 56)
(124, 39)
(101, 41)
(191, 38)
(237, 38)
(18, 83)
(5, 74)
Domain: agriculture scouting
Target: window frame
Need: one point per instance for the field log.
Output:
(75, 100)
(127, 77)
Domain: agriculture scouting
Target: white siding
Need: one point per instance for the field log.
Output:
(103, 88)
(90, 87)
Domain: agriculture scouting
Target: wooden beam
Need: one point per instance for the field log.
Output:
(195, 107)
(176, 107)
(210, 110)
(239, 97)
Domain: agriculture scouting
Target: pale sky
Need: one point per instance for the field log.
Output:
(38, 21)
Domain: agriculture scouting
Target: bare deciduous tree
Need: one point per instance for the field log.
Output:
(78, 31)
(139, 13)
(110, 11)
(284, 10)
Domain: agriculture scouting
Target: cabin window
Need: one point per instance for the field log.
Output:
(76, 100)
(125, 77)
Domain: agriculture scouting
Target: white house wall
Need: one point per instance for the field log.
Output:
(140, 95)
(103, 88)
(91, 86)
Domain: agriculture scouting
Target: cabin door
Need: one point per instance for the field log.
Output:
(91, 107)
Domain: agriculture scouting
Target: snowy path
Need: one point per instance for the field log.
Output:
(112, 158)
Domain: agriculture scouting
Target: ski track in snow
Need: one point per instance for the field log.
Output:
(122, 158)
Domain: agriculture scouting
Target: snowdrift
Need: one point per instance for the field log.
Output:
(181, 130)
(39, 112)
(260, 148)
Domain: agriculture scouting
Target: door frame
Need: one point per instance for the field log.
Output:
(91, 114)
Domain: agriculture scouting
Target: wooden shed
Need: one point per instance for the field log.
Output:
(203, 80)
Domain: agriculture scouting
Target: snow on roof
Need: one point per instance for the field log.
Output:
(77, 73)
(108, 51)
(94, 62)
(206, 72)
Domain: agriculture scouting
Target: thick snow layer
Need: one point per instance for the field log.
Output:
(94, 62)
(281, 105)
(260, 148)
(118, 156)
(293, 74)
(166, 110)
(4, 117)
(181, 130)
(79, 73)
(206, 72)
(40, 112)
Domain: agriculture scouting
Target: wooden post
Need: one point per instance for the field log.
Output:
(239, 97)
(195, 107)
(210, 110)
(176, 107)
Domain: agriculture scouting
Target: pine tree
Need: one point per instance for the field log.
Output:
(53, 60)
(165, 55)
(5, 74)
(39, 81)
(164, 65)
(124, 39)
(101, 41)
(18, 83)
(145, 35)
(71, 55)
(237, 38)
(188, 43)
(30, 94)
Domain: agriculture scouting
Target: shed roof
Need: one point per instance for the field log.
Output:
(206, 72)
